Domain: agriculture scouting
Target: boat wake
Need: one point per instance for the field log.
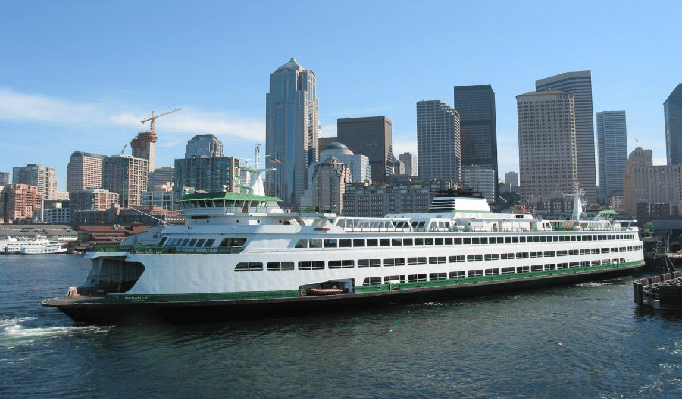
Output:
(28, 328)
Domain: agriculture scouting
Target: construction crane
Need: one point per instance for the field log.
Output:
(153, 119)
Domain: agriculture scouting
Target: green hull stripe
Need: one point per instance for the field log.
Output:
(284, 294)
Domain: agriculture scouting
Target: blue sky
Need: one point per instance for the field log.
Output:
(82, 75)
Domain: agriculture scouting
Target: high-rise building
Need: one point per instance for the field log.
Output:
(651, 185)
(410, 162)
(38, 175)
(481, 180)
(204, 146)
(477, 121)
(84, 171)
(143, 146)
(4, 178)
(292, 129)
(210, 174)
(369, 136)
(127, 176)
(162, 179)
(18, 202)
(93, 199)
(511, 181)
(438, 141)
(548, 160)
(579, 83)
(612, 141)
(672, 108)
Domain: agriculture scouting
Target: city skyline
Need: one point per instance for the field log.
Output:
(81, 76)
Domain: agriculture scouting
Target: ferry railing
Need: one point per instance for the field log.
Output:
(161, 249)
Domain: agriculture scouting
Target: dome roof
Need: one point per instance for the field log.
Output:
(335, 148)
(291, 65)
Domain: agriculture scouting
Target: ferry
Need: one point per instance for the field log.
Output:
(30, 246)
(241, 254)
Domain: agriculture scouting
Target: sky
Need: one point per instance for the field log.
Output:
(81, 75)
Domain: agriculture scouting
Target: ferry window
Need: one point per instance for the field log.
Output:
(467, 241)
(438, 241)
(561, 253)
(209, 242)
(573, 252)
(523, 269)
(280, 266)
(397, 242)
(315, 243)
(302, 243)
(248, 266)
(536, 268)
(595, 251)
(419, 241)
(596, 262)
(562, 266)
(394, 279)
(584, 251)
(536, 254)
(574, 264)
(345, 243)
(584, 264)
(311, 265)
(475, 240)
(428, 241)
(201, 242)
(549, 254)
(484, 240)
(605, 250)
(492, 240)
(448, 241)
(492, 272)
(521, 255)
(606, 261)
(359, 242)
(337, 264)
(515, 240)
(384, 242)
(457, 259)
(623, 249)
(372, 242)
(163, 240)
(330, 243)
(438, 276)
(232, 242)
(436, 260)
(508, 270)
(542, 239)
(407, 241)
(614, 249)
(474, 258)
(394, 262)
(475, 273)
(416, 261)
(371, 281)
(192, 242)
(369, 263)
(523, 239)
(492, 256)
(184, 243)
(457, 274)
(550, 267)
(458, 241)
(507, 240)
(507, 255)
(411, 278)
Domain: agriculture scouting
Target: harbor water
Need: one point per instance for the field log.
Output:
(580, 341)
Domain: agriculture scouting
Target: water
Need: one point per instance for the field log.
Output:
(580, 341)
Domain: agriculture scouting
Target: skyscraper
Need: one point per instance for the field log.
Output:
(369, 136)
(84, 171)
(548, 160)
(292, 130)
(673, 126)
(38, 175)
(204, 146)
(127, 176)
(612, 141)
(579, 83)
(438, 141)
(410, 162)
(476, 107)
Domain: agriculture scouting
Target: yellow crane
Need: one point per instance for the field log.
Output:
(153, 119)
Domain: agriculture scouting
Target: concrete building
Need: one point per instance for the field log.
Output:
(38, 175)
(672, 108)
(548, 160)
(84, 171)
(612, 141)
(93, 199)
(292, 129)
(410, 162)
(143, 146)
(648, 184)
(438, 141)
(204, 146)
(478, 127)
(162, 179)
(372, 137)
(359, 164)
(579, 83)
(163, 199)
(18, 202)
(364, 200)
(511, 181)
(480, 179)
(209, 174)
(127, 176)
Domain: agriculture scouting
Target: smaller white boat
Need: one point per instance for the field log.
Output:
(41, 249)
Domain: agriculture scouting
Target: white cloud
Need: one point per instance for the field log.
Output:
(20, 106)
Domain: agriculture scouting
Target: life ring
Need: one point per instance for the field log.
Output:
(302, 292)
